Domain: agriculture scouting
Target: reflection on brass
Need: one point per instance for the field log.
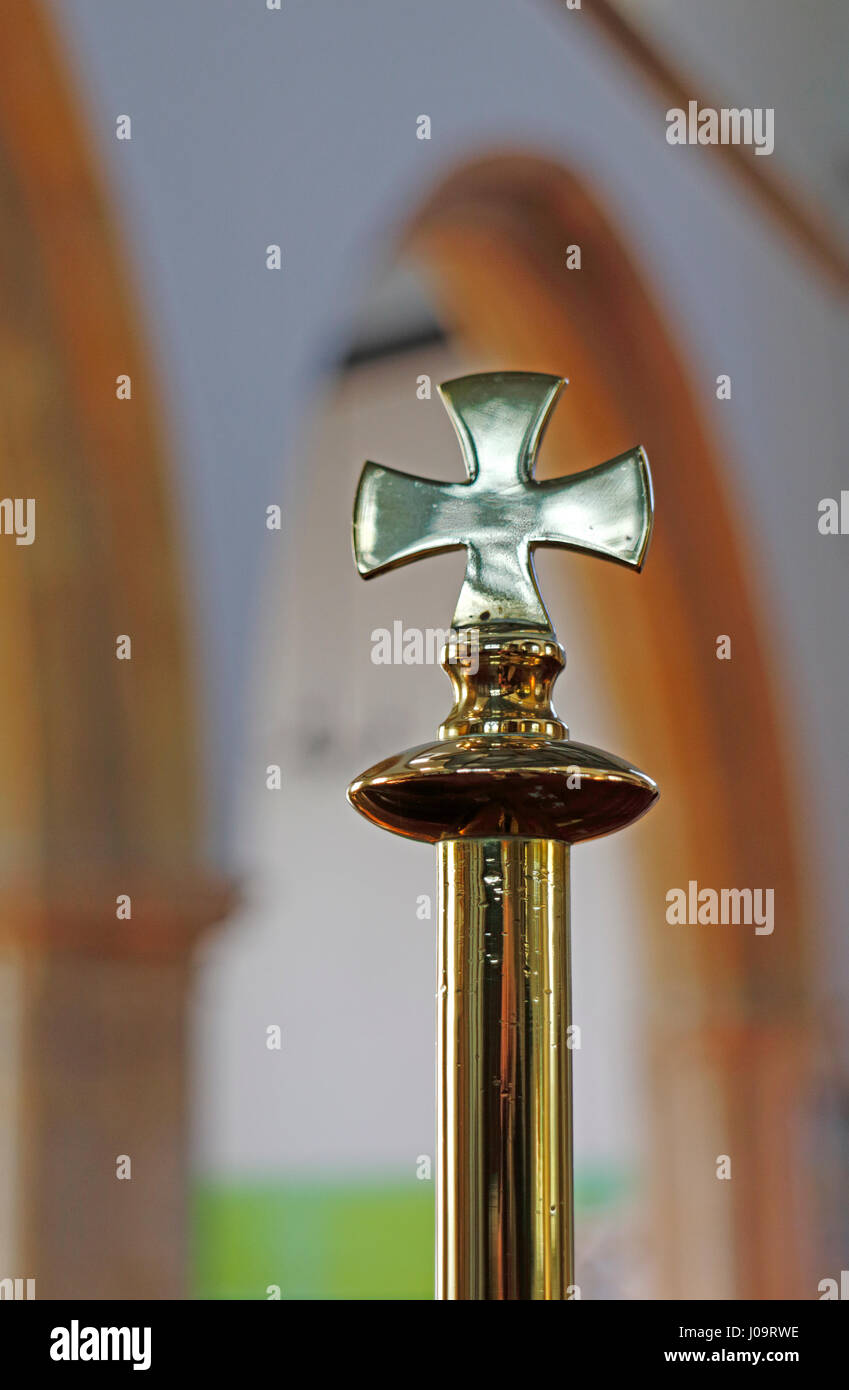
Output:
(504, 1093)
(475, 788)
(503, 793)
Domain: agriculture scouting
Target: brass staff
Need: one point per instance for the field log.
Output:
(503, 794)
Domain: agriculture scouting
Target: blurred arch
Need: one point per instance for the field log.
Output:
(729, 1010)
(101, 788)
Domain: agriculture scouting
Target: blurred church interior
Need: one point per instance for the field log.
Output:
(303, 1169)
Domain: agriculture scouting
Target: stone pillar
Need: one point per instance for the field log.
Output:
(94, 1200)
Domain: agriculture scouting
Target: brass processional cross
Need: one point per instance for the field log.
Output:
(503, 794)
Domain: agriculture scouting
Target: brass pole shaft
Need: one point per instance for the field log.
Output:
(504, 1086)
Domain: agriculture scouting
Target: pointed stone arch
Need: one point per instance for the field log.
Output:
(101, 788)
(729, 1010)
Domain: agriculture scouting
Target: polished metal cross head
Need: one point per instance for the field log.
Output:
(502, 514)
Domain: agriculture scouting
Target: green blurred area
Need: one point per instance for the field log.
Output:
(326, 1239)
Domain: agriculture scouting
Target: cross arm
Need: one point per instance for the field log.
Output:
(398, 518)
(605, 511)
